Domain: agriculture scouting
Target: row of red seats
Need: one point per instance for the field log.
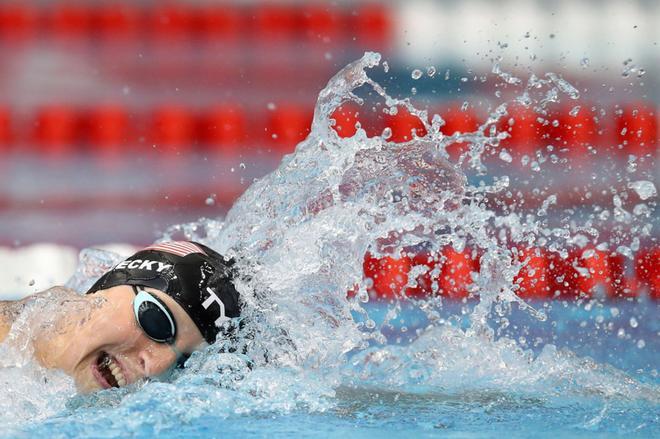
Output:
(632, 129)
(115, 21)
(628, 129)
(545, 276)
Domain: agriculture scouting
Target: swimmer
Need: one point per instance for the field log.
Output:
(140, 319)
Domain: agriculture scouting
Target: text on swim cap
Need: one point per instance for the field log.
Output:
(213, 298)
(143, 265)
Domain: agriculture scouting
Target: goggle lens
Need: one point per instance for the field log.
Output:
(154, 317)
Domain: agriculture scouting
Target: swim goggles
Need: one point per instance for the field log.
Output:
(157, 321)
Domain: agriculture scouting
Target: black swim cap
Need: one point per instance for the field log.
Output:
(199, 279)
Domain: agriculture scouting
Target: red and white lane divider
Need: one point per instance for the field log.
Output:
(630, 129)
(546, 275)
(368, 24)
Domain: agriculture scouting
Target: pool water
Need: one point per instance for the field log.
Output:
(316, 361)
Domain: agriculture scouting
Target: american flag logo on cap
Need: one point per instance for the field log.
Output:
(179, 248)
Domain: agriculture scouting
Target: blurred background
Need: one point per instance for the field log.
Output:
(119, 119)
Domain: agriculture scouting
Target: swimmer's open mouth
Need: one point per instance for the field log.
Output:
(110, 370)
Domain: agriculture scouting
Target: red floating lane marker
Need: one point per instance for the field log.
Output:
(18, 22)
(225, 128)
(403, 124)
(647, 271)
(287, 126)
(57, 129)
(70, 21)
(593, 270)
(171, 22)
(637, 129)
(458, 121)
(108, 129)
(571, 132)
(223, 22)
(117, 22)
(525, 132)
(372, 25)
(563, 277)
(322, 24)
(456, 273)
(425, 281)
(173, 129)
(275, 23)
(6, 130)
(389, 275)
(534, 277)
(346, 117)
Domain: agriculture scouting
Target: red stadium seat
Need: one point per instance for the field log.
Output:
(108, 129)
(287, 126)
(647, 271)
(275, 23)
(458, 121)
(322, 24)
(456, 273)
(221, 22)
(18, 22)
(389, 275)
(173, 129)
(372, 26)
(57, 129)
(117, 22)
(637, 129)
(534, 279)
(225, 128)
(71, 21)
(403, 124)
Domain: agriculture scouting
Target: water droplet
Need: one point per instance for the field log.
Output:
(241, 165)
(387, 133)
(210, 200)
(386, 67)
(430, 71)
(644, 189)
(465, 106)
(505, 156)
(641, 344)
(370, 324)
(416, 74)
(633, 322)
(574, 111)
(271, 106)
(584, 62)
(31, 283)
(621, 333)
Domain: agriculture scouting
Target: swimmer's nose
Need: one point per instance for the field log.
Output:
(155, 359)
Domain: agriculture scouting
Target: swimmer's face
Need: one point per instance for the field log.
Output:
(111, 350)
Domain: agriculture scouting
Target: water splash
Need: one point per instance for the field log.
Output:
(300, 235)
